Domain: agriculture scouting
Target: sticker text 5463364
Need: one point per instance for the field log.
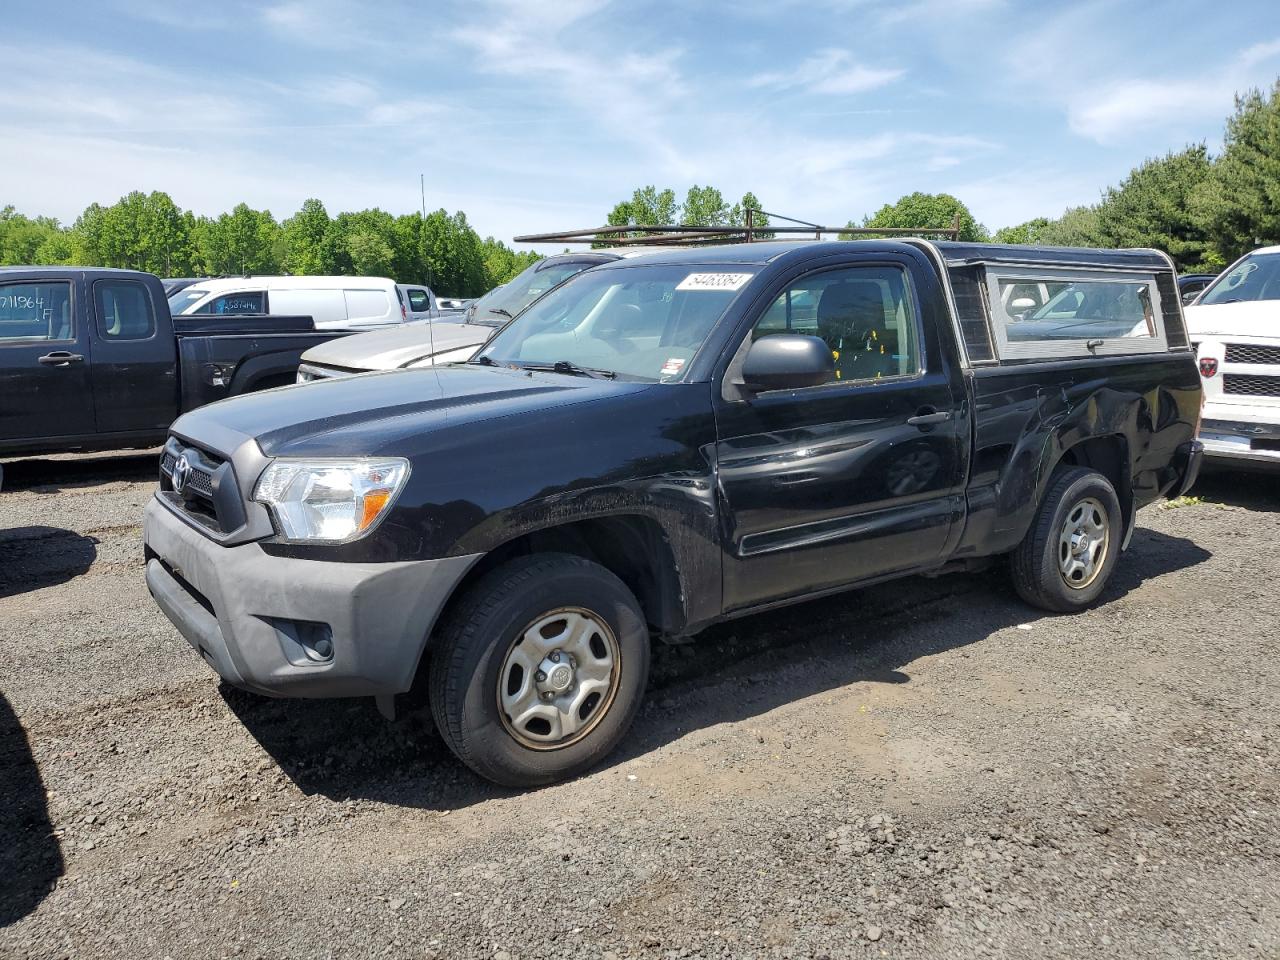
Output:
(713, 281)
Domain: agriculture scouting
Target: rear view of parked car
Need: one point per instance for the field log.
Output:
(332, 302)
(420, 303)
(1235, 324)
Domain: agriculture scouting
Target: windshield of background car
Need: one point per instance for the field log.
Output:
(640, 322)
(185, 298)
(525, 288)
(1256, 277)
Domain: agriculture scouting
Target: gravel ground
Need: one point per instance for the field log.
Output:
(923, 769)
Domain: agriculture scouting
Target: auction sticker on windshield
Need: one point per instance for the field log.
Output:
(713, 281)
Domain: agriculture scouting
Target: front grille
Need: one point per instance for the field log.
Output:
(209, 496)
(201, 481)
(1251, 353)
(1250, 385)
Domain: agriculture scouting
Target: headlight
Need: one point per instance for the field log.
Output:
(330, 500)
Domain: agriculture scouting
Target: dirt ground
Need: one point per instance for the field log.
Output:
(923, 769)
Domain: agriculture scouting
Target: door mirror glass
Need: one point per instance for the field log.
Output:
(1190, 296)
(787, 362)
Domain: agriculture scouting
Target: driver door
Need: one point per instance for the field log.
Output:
(857, 477)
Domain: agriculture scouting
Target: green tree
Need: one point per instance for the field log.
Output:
(704, 207)
(1028, 232)
(920, 211)
(648, 206)
(139, 231)
(305, 234)
(1077, 227)
(1152, 207)
(22, 238)
(370, 254)
(242, 241)
(738, 216)
(1239, 203)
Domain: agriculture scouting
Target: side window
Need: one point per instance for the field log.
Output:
(1082, 314)
(418, 300)
(367, 304)
(233, 303)
(863, 314)
(124, 310)
(35, 311)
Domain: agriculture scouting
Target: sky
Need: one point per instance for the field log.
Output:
(540, 116)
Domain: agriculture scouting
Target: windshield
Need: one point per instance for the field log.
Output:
(640, 322)
(527, 287)
(1256, 277)
(185, 298)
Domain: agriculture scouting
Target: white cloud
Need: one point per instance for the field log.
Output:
(1121, 108)
(828, 71)
(551, 48)
(1114, 90)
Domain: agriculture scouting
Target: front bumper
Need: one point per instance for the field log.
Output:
(261, 621)
(1236, 435)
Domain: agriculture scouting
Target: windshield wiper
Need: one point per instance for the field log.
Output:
(484, 361)
(568, 366)
(502, 313)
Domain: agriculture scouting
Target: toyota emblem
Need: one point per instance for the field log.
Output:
(180, 475)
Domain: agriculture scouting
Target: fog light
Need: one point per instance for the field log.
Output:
(304, 641)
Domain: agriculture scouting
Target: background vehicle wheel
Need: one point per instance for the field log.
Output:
(1067, 556)
(540, 670)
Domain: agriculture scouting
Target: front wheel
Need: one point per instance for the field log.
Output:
(540, 670)
(1067, 556)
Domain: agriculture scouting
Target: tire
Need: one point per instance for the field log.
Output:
(1048, 572)
(485, 698)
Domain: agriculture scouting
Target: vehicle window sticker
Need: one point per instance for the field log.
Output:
(713, 281)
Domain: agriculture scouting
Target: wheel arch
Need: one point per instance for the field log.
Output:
(1109, 456)
(632, 546)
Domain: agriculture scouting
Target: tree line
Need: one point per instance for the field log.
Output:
(702, 207)
(150, 232)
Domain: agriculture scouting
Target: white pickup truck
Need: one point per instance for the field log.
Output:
(1235, 328)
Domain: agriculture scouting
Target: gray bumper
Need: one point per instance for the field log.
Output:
(255, 618)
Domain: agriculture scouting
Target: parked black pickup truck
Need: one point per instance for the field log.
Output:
(91, 360)
(661, 443)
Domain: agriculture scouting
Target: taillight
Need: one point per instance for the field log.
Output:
(1208, 366)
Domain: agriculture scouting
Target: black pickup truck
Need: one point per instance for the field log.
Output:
(661, 443)
(90, 359)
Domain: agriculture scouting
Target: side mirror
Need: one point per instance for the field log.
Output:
(1190, 296)
(787, 362)
(1020, 307)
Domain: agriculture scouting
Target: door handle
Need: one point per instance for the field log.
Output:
(927, 417)
(61, 358)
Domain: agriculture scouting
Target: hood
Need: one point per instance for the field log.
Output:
(377, 413)
(397, 346)
(1253, 319)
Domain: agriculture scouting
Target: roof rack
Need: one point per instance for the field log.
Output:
(673, 235)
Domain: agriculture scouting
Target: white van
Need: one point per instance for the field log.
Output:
(330, 301)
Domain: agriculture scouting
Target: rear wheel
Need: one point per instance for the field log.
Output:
(540, 670)
(1067, 556)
